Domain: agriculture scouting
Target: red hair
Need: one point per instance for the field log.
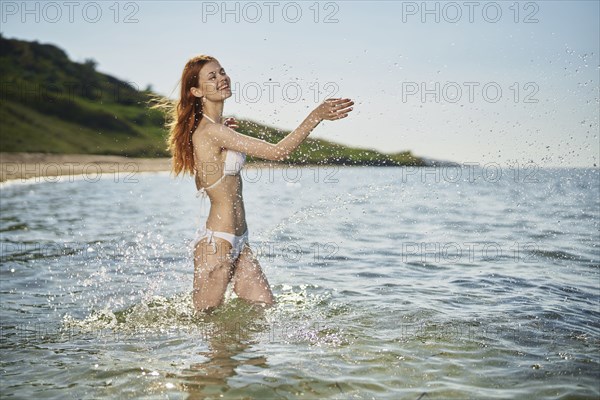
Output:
(183, 117)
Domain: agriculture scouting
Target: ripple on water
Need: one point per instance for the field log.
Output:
(305, 308)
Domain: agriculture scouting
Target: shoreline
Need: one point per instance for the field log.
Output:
(23, 166)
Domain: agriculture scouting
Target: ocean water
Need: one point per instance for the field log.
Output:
(391, 283)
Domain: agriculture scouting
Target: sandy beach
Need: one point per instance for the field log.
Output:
(33, 165)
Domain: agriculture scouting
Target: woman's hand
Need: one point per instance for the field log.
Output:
(231, 123)
(332, 109)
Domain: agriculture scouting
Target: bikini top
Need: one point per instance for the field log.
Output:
(234, 162)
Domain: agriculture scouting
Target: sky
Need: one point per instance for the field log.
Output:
(480, 82)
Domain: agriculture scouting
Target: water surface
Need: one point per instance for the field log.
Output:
(391, 283)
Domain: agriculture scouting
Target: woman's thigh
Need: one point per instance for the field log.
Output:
(213, 271)
(249, 281)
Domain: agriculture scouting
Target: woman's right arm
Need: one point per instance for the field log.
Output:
(330, 109)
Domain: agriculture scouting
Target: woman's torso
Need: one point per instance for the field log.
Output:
(227, 212)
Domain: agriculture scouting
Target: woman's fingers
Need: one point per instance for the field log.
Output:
(341, 115)
(342, 104)
(345, 107)
(231, 123)
(337, 100)
(340, 108)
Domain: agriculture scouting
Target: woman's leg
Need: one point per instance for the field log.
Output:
(249, 281)
(212, 272)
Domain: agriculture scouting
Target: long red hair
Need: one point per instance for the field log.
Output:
(183, 117)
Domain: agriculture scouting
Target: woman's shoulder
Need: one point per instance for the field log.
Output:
(201, 141)
(201, 135)
(206, 129)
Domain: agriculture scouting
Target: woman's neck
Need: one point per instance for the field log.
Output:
(213, 111)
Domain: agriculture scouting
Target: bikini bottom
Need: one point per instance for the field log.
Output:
(237, 242)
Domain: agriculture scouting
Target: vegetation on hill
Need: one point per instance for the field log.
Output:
(51, 104)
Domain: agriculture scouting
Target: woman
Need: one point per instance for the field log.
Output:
(215, 154)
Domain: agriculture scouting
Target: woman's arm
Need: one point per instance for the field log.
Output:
(331, 109)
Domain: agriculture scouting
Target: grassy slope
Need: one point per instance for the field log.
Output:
(53, 105)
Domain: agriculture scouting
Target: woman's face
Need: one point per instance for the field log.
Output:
(214, 83)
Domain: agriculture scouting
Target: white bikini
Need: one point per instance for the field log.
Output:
(234, 162)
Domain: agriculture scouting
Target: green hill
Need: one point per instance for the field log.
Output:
(51, 104)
